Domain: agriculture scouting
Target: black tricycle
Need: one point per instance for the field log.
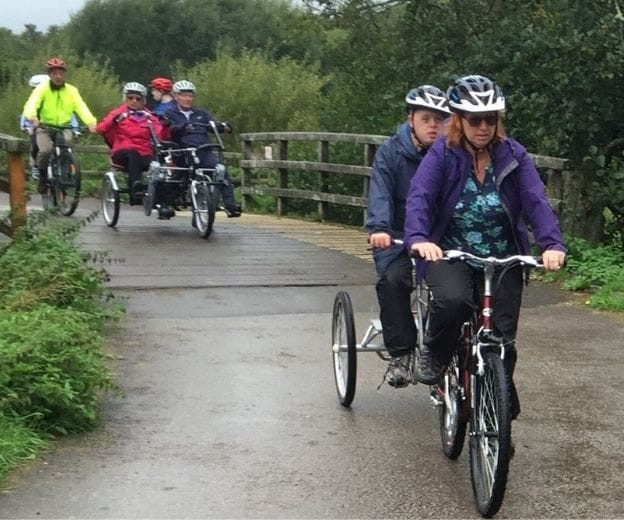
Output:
(174, 180)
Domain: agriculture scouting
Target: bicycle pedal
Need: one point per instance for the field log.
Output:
(435, 401)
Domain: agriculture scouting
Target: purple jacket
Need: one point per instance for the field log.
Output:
(441, 176)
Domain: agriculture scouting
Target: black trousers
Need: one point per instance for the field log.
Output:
(394, 292)
(454, 287)
(133, 163)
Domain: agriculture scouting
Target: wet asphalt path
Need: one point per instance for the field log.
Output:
(230, 408)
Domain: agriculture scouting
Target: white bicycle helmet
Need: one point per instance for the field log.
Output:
(37, 79)
(183, 86)
(428, 97)
(475, 94)
(134, 88)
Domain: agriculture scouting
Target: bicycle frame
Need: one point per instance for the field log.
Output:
(475, 390)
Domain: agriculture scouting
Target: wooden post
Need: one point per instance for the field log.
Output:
(369, 156)
(323, 156)
(246, 177)
(17, 190)
(283, 176)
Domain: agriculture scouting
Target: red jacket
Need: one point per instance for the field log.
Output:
(123, 129)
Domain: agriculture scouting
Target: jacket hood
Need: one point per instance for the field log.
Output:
(407, 148)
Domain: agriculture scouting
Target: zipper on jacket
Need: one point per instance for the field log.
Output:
(508, 169)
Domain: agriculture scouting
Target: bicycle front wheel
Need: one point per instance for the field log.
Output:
(67, 185)
(490, 441)
(204, 209)
(110, 202)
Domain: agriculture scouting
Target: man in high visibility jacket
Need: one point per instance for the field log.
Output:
(53, 103)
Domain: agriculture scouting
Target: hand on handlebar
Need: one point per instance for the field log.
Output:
(553, 260)
(381, 239)
(427, 250)
(224, 127)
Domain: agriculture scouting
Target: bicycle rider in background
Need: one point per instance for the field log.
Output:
(161, 92)
(125, 129)
(186, 126)
(27, 127)
(471, 192)
(53, 103)
(394, 165)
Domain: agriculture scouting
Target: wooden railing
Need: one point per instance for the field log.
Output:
(262, 151)
(270, 151)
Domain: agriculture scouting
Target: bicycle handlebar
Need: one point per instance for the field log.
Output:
(454, 254)
(78, 128)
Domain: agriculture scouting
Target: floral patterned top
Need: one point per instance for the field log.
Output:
(479, 224)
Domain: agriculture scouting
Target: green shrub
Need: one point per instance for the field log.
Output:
(52, 366)
(52, 315)
(597, 270)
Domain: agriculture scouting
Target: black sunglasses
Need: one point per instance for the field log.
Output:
(134, 98)
(475, 121)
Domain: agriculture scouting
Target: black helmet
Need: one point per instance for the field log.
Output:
(428, 97)
(475, 94)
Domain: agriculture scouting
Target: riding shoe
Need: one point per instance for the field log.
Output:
(165, 213)
(398, 372)
(233, 212)
(430, 367)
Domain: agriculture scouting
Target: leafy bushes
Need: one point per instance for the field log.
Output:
(52, 318)
(597, 270)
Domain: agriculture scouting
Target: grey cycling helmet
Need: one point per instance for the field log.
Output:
(475, 94)
(134, 88)
(183, 86)
(427, 97)
(37, 79)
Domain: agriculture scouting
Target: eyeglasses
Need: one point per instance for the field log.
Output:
(134, 98)
(475, 121)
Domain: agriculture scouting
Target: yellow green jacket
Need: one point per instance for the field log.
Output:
(56, 106)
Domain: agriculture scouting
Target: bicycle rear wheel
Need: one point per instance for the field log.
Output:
(453, 420)
(343, 348)
(490, 442)
(67, 184)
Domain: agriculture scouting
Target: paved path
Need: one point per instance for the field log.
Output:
(230, 408)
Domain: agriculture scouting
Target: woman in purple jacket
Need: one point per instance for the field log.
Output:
(472, 191)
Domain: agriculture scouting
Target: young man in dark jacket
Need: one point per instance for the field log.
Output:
(395, 163)
(187, 127)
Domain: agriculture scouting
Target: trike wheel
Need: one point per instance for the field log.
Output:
(343, 348)
(67, 185)
(490, 441)
(110, 202)
(204, 210)
(452, 417)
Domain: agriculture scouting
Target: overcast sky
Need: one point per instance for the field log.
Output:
(42, 13)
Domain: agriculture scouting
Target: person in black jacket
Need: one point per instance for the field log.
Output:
(394, 165)
(186, 126)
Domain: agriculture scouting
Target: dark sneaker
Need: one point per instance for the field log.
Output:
(398, 373)
(233, 212)
(430, 367)
(165, 212)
